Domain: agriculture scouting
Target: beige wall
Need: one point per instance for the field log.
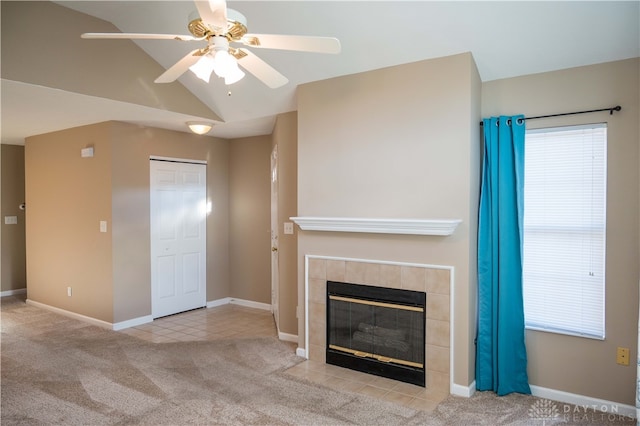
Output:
(13, 267)
(400, 142)
(285, 136)
(572, 364)
(132, 146)
(67, 196)
(110, 272)
(249, 218)
(112, 69)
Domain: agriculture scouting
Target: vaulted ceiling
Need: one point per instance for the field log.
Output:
(51, 79)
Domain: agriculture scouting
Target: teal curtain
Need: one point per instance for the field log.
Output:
(501, 357)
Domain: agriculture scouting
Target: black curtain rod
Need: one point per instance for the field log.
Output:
(611, 110)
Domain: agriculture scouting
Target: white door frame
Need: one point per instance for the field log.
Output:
(275, 271)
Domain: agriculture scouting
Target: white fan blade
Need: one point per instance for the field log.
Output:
(131, 36)
(214, 14)
(293, 42)
(179, 67)
(263, 71)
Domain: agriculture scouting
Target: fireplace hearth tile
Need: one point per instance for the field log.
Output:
(390, 276)
(336, 270)
(413, 278)
(398, 398)
(317, 290)
(345, 380)
(407, 388)
(373, 391)
(437, 380)
(318, 352)
(345, 385)
(438, 281)
(382, 382)
(355, 272)
(437, 358)
(437, 333)
(438, 307)
(371, 274)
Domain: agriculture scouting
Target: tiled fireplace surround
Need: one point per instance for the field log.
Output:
(434, 280)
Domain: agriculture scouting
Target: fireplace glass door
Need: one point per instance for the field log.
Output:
(377, 330)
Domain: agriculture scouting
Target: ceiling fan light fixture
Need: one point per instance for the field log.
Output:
(199, 127)
(226, 66)
(203, 68)
(222, 61)
(234, 76)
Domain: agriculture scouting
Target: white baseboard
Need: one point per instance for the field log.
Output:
(93, 321)
(219, 302)
(240, 302)
(149, 318)
(288, 337)
(12, 292)
(90, 320)
(132, 322)
(464, 391)
(250, 304)
(584, 403)
(301, 352)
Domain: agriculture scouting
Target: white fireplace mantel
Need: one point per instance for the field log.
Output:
(440, 227)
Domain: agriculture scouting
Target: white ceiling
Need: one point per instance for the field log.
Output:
(507, 39)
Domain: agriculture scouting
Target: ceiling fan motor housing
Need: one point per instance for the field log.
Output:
(236, 26)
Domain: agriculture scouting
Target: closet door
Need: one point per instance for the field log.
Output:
(178, 237)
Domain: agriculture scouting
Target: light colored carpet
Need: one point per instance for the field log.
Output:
(57, 370)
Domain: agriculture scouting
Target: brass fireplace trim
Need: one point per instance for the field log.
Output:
(381, 304)
(380, 358)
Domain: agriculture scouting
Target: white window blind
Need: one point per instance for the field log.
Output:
(564, 229)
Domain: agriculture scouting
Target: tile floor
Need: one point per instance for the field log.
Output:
(222, 322)
(235, 321)
(339, 378)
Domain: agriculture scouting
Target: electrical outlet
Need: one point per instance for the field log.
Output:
(288, 228)
(69, 291)
(622, 356)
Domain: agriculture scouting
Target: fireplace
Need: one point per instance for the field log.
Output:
(376, 330)
(434, 280)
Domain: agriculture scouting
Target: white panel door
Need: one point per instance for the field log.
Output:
(178, 237)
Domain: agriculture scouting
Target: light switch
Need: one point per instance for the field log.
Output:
(288, 228)
(103, 226)
(11, 220)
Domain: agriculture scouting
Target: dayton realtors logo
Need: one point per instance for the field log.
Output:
(544, 410)
(550, 412)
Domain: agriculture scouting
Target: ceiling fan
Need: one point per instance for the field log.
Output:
(220, 27)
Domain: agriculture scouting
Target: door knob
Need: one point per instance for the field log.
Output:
(274, 248)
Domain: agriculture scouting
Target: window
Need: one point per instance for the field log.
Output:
(564, 229)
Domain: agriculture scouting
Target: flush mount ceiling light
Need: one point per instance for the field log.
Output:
(199, 127)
